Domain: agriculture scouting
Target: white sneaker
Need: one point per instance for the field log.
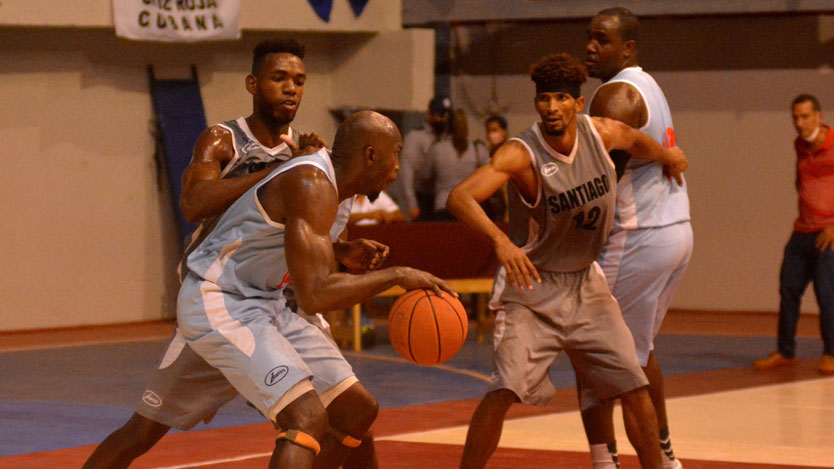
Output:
(672, 463)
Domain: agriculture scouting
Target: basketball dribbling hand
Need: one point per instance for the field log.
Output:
(307, 144)
(411, 279)
(518, 266)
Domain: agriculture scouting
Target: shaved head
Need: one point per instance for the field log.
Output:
(362, 129)
(367, 146)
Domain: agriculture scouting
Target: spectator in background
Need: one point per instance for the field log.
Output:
(809, 255)
(452, 160)
(378, 212)
(496, 132)
(415, 182)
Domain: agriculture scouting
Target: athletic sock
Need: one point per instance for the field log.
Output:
(669, 460)
(604, 456)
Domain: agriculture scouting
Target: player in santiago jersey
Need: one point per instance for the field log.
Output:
(650, 244)
(228, 159)
(561, 208)
(233, 312)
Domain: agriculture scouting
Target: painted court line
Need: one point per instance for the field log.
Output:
(218, 461)
(470, 373)
(755, 425)
(28, 348)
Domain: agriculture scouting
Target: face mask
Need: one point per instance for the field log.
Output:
(495, 138)
(813, 136)
(438, 127)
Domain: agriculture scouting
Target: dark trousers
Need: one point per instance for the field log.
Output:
(802, 264)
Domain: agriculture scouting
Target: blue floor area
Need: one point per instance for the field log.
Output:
(73, 396)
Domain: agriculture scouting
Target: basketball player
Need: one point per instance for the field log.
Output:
(561, 210)
(232, 309)
(228, 159)
(650, 244)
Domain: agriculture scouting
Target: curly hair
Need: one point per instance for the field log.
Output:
(275, 46)
(558, 71)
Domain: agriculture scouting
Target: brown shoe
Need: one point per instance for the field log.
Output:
(775, 360)
(827, 364)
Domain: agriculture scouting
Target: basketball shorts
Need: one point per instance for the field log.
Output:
(643, 269)
(185, 389)
(574, 312)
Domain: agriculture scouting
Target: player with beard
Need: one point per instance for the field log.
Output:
(229, 158)
(562, 184)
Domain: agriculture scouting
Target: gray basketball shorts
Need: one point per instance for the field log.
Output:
(644, 268)
(262, 348)
(574, 312)
(185, 389)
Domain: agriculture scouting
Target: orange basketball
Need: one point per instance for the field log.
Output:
(427, 329)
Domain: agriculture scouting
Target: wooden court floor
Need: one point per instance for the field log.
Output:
(724, 418)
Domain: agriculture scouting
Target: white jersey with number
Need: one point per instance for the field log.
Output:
(645, 197)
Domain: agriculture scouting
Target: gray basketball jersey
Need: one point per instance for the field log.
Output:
(244, 253)
(251, 155)
(564, 229)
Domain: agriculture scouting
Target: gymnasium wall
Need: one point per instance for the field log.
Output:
(88, 231)
(729, 82)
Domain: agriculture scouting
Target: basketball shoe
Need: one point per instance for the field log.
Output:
(774, 360)
(666, 453)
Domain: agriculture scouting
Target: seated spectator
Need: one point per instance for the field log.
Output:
(381, 211)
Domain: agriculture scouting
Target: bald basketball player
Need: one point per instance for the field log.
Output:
(229, 158)
(232, 309)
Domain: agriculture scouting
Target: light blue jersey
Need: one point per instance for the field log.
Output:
(232, 307)
(244, 253)
(649, 247)
(645, 197)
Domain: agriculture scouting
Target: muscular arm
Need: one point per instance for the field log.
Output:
(204, 193)
(305, 201)
(619, 136)
(624, 103)
(510, 162)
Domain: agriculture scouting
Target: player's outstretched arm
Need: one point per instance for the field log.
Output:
(619, 136)
(511, 161)
(305, 201)
(204, 194)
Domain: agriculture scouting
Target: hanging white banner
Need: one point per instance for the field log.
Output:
(177, 20)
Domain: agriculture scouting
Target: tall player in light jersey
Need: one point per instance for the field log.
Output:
(228, 159)
(233, 312)
(561, 208)
(650, 243)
